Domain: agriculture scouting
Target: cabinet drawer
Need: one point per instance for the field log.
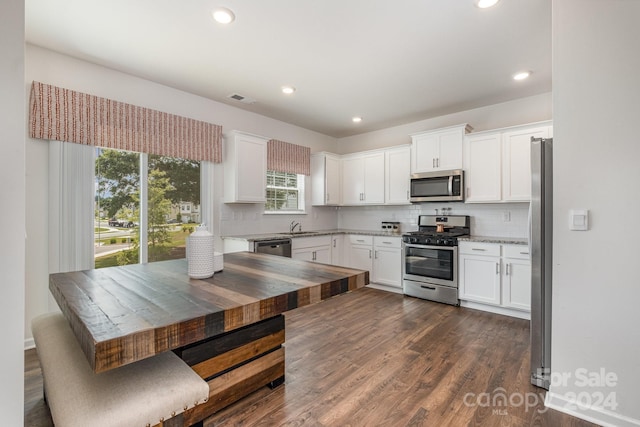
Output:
(477, 248)
(516, 251)
(387, 242)
(309, 242)
(359, 239)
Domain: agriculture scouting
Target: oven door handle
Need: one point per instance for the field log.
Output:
(444, 248)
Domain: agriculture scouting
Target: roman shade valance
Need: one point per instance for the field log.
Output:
(289, 158)
(71, 116)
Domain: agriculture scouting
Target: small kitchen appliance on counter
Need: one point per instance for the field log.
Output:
(391, 226)
(430, 257)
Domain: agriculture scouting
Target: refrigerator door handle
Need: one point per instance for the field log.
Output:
(529, 228)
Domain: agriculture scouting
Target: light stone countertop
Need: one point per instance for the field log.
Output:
(491, 239)
(284, 235)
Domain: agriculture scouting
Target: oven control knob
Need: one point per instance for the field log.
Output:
(413, 240)
(428, 241)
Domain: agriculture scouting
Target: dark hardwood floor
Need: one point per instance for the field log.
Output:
(373, 358)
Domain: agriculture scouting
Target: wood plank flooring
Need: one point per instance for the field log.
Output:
(373, 358)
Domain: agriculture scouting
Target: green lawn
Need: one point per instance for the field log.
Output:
(176, 250)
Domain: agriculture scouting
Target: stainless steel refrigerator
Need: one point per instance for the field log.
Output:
(540, 244)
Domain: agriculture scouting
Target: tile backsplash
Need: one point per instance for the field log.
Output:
(499, 219)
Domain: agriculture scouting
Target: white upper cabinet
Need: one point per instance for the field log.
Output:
(245, 168)
(375, 177)
(397, 176)
(516, 162)
(482, 168)
(497, 163)
(439, 149)
(363, 179)
(326, 182)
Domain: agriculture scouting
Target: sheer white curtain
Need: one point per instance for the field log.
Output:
(71, 206)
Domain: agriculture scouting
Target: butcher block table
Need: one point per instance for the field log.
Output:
(228, 328)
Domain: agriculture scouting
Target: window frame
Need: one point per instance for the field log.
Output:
(300, 188)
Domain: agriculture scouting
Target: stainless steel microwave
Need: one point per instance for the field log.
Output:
(439, 186)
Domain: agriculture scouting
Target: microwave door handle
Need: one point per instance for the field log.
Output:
(450, 187)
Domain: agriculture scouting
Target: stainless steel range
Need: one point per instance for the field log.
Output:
(430, 258)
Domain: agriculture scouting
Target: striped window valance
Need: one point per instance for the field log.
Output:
(290, 158)
(66, 115)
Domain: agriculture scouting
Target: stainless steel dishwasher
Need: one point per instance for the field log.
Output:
(280, 247)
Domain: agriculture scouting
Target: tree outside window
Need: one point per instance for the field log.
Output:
(172, 182)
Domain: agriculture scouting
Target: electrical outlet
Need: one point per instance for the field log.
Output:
(506, 216)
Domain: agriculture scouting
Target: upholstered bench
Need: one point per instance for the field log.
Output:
(143, 393)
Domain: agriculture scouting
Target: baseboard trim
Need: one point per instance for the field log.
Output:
(600, 416)
(29, 344)
(497, 310)
(385, 288)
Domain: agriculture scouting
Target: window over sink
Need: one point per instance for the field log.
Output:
(285, 193)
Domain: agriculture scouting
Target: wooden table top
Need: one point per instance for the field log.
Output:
(124, 314)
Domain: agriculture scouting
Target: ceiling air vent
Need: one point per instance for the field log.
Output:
(241, 98)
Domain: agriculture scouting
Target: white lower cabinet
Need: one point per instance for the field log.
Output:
(479, 272)
(360, 252)
(516, 283)
(497, 276)
(387, 261)
(380, 255)
(316, 249)
(337, 250)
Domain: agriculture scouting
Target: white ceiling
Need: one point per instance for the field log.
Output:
(391, 62)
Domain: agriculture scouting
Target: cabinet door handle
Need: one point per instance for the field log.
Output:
(313, 257)
(507, 272)
(387, 243)
(433, 162)
(524, 253)
(334, 243)
(438, 162)
(497, 268)
(376, 254)
(369, 253)
(407, 194)
(478, 249)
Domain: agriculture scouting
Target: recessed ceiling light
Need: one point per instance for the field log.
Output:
(356, 119)
(483, 4)
(288, 90)
(223, 15)
(521, 75)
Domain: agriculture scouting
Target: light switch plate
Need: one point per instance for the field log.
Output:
(579, 219)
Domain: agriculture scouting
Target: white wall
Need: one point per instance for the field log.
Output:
(597, 167)
(12, 198)
(525, 110)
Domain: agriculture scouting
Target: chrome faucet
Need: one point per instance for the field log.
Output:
(293, 225)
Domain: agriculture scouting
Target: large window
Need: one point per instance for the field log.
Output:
(285, 192)
(145, 207)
